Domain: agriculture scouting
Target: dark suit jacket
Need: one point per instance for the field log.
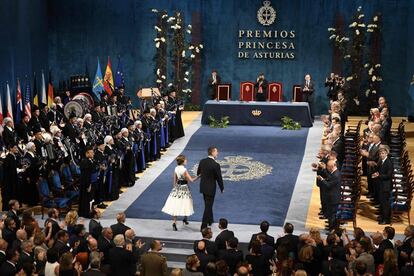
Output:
(55, 227)
(9, 136)
(332, 186)
(22, 131)
(407, 270)
(11, 214)
(122, 261)
(153, 264)
(221, 239)
(210, 174)
(119, 228)
(204, 258)
(104, 245)
(95, 228)
(211, 247)
(385, 171)
(9, 236)
(308, 95)
(373, 155)
(24, 258)
(7, 269)
(334, 267)
(232, 257)
(61, 248)
(264, 87)
(290, 242)
(269, 239)
(2, 258)
(339, 148)
(379, 252)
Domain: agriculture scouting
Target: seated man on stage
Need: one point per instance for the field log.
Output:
(261, 88)
(213, 81)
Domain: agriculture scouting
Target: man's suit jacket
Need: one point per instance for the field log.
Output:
(55, 227)
(104, 245)
(210, 172)
(9, 136)
(7, 269)
(339, 147)
(232, 257)
(385, 170)
(269, 239)
(22, 131)
(221, 238)
(204, 258)
(24, 258)
(308, 94)
(373, 155)
(290, 242)
(9, 236)
(11, 214)
(379, 252)
(211, 247)
(153, 264)
(332, 186)
(119, 228)
(122, 261)
(95, 228)
(61, 248)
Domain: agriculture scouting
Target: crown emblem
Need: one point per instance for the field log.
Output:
(266, 15)
(256, 112)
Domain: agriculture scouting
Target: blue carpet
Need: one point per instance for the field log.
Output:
(243, 201)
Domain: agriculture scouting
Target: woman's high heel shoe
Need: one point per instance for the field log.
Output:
(185, 221)
(175, 227)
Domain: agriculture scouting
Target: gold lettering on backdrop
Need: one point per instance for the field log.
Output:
(266, 44)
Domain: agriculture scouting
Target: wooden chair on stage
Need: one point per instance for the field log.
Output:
(297, 93)
(274, 92)
(247, 91)
(223, 92)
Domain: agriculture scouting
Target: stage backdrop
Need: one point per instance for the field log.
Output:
(79, 31)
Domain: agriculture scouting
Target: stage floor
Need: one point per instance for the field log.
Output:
(294, 197)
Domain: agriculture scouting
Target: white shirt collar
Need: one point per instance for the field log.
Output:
(211, 157)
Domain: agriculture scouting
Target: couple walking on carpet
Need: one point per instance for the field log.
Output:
(180, 201)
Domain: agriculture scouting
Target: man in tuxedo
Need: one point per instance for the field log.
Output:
(95, 227)
(308, 88)
(3, 248)
(94, 266)
(203, 256)
(105, 243)
(231, 255)
(210, 246)
(14, 207)
(213, 81)
(61, 244)
(210, 173)
(9, 189)
(23, 129)
(384, 181)
(264, 227)
(332, 186)
(8, 268)
(52, 223)
(9, 134)
(121, 260)
(261, 88)
(289, 241)
(119, 227)
(224, 235)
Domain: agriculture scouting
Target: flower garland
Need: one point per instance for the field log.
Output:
(161, 52)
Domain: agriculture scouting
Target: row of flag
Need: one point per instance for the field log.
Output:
(23, 105)
(107, 83)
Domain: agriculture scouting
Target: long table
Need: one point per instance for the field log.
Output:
(257, 113)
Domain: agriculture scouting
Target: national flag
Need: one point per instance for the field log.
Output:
(28, 99)
(108, 79)
(1, 110)
(8, 102)
(119, 75)
(97, 86)
(43, 97)
(19, 102)
(50, 93)
(35, 96)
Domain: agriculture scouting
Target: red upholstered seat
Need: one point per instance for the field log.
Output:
(297, 93)
(247, 91)
(275, 90)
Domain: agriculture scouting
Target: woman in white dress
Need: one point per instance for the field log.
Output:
(180, 201)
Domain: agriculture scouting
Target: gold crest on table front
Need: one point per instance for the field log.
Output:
(239, 168)
(256, 112)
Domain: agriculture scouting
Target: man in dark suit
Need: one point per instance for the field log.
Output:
(52, 222)
(8, 268)
(119, 227)
(3, 248)
(224, 235)
(69, 130)
(94, 266)
(213, 81)
(231, 255)
(105, 243)
(9, 189)
(14, 207)
(372, 156)
(384, 177)
(9, 134)
(153, 263)
(332, 186)
(26, 255)
(203, 256)
(260, 88)
(23, 129)
(210, 172)
(121, 260)
(211, 246)
(61, 244)
(289, 241)
(308, 89)
(264, 227)
(338, 147)
(380, 244)
(95, 227)
(9, 231)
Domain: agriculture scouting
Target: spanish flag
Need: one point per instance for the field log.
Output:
(50, 96)
(108, 79)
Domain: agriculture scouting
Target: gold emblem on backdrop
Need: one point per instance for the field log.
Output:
(266, 15)
(239, 168)
(256, 112)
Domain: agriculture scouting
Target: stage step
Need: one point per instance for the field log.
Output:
(172, 265)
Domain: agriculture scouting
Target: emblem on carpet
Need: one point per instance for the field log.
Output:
(238, 168)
